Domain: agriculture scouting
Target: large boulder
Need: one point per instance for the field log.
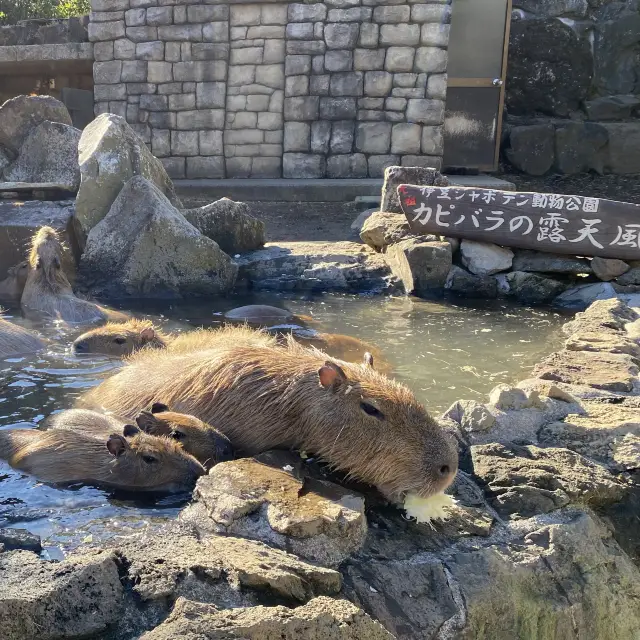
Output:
(19, 115)
(484, 258)
(612, 107)
(582, 295)
(607, 269)
(581, 147)
(49, 153)
(624, 147)
(533, 288)
(229, 224)
(540, 262)
(110, 154)
(145, 248)
(470, 285)
(395, 176)
(532, 148)
(421, 266)
(381, 229)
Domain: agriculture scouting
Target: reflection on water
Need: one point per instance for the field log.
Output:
(442, 351)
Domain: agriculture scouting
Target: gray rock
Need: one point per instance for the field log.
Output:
(507, 398)
(338, 108)
(624, 147)
(608, 269)
(145, 248)
(631, 276)
(469, 285)
(341, 35)
(532, 148)
(382, 229)
(470, 415)
(303, 165)
(5, 159)
(19, 115)
(421, 266)
(580, 147)
(554, 8)
(348, 165)
(612, 107)
(229, 224)
(525, 260)
(110, 154)
(373, 137)
(14, 539)
(583, 295)
(485, 259)
(358, 223)
(49, 153)
(395, 176)
(533, 288)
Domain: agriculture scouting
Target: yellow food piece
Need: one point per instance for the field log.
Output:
(428, 509)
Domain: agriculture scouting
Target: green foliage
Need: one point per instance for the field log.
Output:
(11, 11)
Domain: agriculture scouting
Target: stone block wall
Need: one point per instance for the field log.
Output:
(341, 88)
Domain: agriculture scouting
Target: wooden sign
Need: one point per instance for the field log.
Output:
(549, 222)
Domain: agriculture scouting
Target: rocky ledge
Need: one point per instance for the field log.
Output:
(542, 543)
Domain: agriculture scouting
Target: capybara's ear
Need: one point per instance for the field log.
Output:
(130, 430)
(368, 360)
(148, 333)
(146, 421)
(116, 444)
(159, 407)
(331, 375)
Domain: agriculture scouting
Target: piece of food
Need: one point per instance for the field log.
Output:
(428, 509)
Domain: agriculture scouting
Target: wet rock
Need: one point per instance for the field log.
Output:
(13, 539)
(382, 229)
(607, 269)
(532, 148)
(533, 288)
(631, 276)
(540, 262)
(485, 259)
(395, 176)
(581, 147)
(229, 224)
(541, 51)
(612, 107)
(470, 415)
(110, 154)
(505, 398)
(467, 284)
(526, 481)
(422, 267)
(19, 115)
(144, 248)
(316, 266)
(49, 153)
(584, 294)
(553, 8)
(320, 618)
(319, 521)
(39, 600)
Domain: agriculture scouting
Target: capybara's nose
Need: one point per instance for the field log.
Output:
(224, 450)
(80, 346)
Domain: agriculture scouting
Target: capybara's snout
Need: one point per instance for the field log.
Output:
(224, 448)
(442, 468)
(80, 347)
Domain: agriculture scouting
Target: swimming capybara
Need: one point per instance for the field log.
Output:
(90, 423)
(120, 339)
(12, 286)
(264, 315)
(16, 341)
(47, 291)
(268, 396)
(129, 460)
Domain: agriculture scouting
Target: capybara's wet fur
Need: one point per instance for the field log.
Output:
(264, 315)
(206, 444)
(12, 286)
(130, 460)
(91, 423)
(120, 339)
(47, 291)
(266, 396)
(16, 341)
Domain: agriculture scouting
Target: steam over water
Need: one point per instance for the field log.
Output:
(443, 352)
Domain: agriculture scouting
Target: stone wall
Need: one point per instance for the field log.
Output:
(341, 88)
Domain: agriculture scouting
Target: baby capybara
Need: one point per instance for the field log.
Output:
(16, 341)
(130, 460)
(48, 292)
(269, 396)
(120, 339)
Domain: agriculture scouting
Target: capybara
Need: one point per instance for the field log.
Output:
(272, 396)
(16, 341)
(129, 460)
(90, 423)
(263, 314)
(120, 339)
(12, 286)
(202, 441)
(47, 291)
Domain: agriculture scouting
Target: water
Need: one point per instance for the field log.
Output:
(442, 351)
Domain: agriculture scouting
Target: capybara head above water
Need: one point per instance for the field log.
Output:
(45, 262)
(202, 441)
(12, 286)
(119, 339)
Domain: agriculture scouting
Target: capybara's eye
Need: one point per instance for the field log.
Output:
(177, 435)
(149, 459)
(119, 340)
(370, 410)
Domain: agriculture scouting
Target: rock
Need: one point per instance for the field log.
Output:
(12, 539)
(470, 285)
(317, 520)
(533, 288)
(395, 176)
(454, 242)
(607, 269)
(485, 259)
(316, 266)
(144, 248)
(584, 294)
(532, 148)
(554, 8)
(508, 398)
(422, 267)
(581, 147)
(601, 342)
(19, 115)
(603, 316)
(49, 153)
(540, 52)
(382, 229)
(77, 597)
(229, 224)
(470, 415)
(546, 389)
(631, 276)
(319, 618)
(5, 159)
(611, 372)
(612, 107)
(623, 148)
(358, 223)
(525, 260)
(110, 154)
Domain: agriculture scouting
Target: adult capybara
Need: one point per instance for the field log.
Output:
(16, 341)
(270, 396)
(129, 460)
(47, 291)
(120, 339)
(12, 286)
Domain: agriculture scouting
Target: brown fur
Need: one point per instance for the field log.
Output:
(90, 423)
(265, 396)
(139, 462)
(15, 340)
(47, 290)
(12, 286)
(120, 339)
